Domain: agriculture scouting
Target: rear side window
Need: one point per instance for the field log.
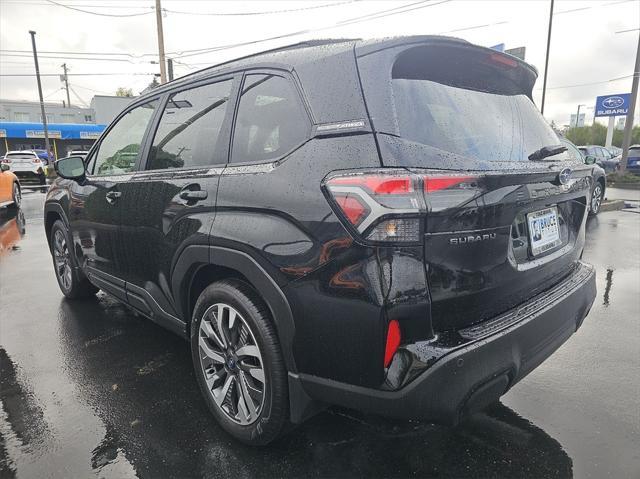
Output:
(189, 130)
(271, 120)
(119, 149)
(470, 103)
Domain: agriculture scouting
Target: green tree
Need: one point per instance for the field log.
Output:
(122, 91)
(596, 134)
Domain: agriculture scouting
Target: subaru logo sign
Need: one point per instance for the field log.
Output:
(613, 102)
(612, 105)
(564, 176)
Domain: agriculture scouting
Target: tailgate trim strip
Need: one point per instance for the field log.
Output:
(537, 303)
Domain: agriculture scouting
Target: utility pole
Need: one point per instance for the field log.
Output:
(578, 116)
(170, 68)
(546, 61)
(626, 141)
(44, 115)
(66, 84)
(163, 65)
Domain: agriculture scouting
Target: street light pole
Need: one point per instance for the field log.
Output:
(578, 115)
(626, 141)
(162, 61)
(546, 61)
(44, 116)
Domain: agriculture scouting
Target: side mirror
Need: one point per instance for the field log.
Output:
(71, 168)
(4, 167)
(590, 160)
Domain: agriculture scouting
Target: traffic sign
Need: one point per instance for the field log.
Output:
(613, 105)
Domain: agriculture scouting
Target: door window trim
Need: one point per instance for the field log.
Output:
(301, 98)
(225, 129)
(96, 146)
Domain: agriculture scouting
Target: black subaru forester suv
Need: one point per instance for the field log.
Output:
(387, 225)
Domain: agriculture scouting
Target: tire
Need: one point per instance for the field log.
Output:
(596, 199)
(250, 403)
(72, 283)
(16, 196)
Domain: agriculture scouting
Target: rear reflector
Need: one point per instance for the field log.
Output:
(393, 341)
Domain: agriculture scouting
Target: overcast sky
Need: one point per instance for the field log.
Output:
(587, 53)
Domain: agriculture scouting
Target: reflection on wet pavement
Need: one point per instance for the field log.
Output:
(88, 388)
(12, 229)
(607, 288)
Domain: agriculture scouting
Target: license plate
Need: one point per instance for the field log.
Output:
(544, 231)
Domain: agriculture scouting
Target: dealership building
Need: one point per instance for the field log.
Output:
(69, 127)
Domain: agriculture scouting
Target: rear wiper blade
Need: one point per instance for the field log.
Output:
(546, 151)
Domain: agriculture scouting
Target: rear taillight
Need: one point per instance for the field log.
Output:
(6, 160)
(379, 206)
(36, 160)
(390, 206)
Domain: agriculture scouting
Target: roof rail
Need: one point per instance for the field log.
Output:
(292, 46)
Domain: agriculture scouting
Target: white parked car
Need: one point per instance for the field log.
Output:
(26, 165)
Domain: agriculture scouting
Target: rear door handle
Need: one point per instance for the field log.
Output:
(194, 195)
(112, 196)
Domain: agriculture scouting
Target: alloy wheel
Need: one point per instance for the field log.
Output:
(596, 199)
(232, 364)
(62, 259)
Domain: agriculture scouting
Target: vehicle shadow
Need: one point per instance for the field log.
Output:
(138, 380)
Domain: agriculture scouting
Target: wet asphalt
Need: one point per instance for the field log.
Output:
(89, 389)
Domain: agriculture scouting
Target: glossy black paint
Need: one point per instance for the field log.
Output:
(140, 238)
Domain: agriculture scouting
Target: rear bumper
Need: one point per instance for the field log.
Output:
(467, 378)
(28, 173)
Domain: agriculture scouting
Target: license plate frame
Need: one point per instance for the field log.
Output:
(544, 230)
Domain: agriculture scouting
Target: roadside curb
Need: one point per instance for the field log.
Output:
(612, 205)
(623, 185)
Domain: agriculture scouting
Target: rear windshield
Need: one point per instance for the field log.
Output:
(470, 104)
(28, 156)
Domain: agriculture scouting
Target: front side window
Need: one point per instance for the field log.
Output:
(271, 120)
(119, 149)
(189, 130)
(573, 151)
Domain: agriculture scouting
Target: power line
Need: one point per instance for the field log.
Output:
(349, 21)
(220, 14)
(268, 12)
(53, 52)
(52, 93)
(62, 57)
(577, 85)
(101, 14)
(91, 89)
(73, 74)
(629, 30)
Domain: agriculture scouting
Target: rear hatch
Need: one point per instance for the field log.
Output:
(633, 159)
(504, 217)
(21, 161)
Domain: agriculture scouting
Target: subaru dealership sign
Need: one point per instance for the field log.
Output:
(613, 105)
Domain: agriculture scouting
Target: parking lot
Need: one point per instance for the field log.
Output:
(89, 388)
